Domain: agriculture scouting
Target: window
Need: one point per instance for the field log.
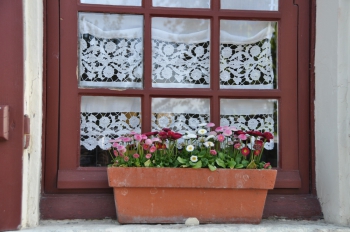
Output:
(143, 65)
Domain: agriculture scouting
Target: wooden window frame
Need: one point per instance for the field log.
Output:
(64, 179)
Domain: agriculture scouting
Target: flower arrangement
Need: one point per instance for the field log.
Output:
(222, 147)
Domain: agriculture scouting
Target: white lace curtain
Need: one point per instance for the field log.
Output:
(250, 114)
(111, 56)
(111, 52)
(105, 118)
(180, 114)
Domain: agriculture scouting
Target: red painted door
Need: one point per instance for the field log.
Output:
(11, 94)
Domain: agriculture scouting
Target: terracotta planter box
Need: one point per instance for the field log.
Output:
(171, 195)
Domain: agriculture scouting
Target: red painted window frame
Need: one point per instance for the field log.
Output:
(62, 174)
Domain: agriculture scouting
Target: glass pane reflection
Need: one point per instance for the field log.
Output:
(113, 2)
(267, 5)
(182, 3)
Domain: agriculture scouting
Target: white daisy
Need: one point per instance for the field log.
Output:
(190, 148)
(202, 131)
(192, 136)
(209, 144)
(194, 158)
(209, 137)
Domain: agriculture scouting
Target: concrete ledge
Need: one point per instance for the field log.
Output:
(114, 226)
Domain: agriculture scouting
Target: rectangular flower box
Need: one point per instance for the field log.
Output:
(171, 195)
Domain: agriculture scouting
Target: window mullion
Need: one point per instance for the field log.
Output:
(147, 70)
(214, 68)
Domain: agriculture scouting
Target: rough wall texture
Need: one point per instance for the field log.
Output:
(33, 76)
(332, 112)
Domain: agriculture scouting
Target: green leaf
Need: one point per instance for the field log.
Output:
(231, 164)
(204, 162)
(198, 165)
(238, 159)
(201, 154)
(252, 165)
(220, 162)
(181, 160)
(211, 167)
(245, 163)
(239, 166)
(147, 163)
(221, 155)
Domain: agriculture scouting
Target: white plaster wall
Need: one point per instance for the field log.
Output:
(332, 112)
(33, 75)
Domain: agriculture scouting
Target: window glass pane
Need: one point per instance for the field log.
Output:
(180, 53)
(270, 5)
(248, 54)
(253, 114)
(179, 114)
(110, 50)
(103, 119)
(114, 2)
(182, 3)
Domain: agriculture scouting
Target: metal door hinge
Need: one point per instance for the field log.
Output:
(26, 130)
(4, 122)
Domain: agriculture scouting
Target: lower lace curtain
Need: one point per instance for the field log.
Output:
(105, 118)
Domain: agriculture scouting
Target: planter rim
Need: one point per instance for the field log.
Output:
(191, 178)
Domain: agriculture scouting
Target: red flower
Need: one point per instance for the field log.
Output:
(258, 144)
(256, 152)
(175, 135)
(160, 146)
(268, 136)
(168, 134)
(239, 132)
(163, 135)
(146, 147)
(245, 151)
(267, 165)
(255, 133)
(151, 133)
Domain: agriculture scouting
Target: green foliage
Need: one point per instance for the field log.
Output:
(209, 151)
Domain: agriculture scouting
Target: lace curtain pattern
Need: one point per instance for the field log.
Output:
(110, 62)
(114, 58)
(111, 56)
(97, 129)
(250, 114)
(246, 66)
(105, 118)
(108, 57)
(181, 115)
(180, 65)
